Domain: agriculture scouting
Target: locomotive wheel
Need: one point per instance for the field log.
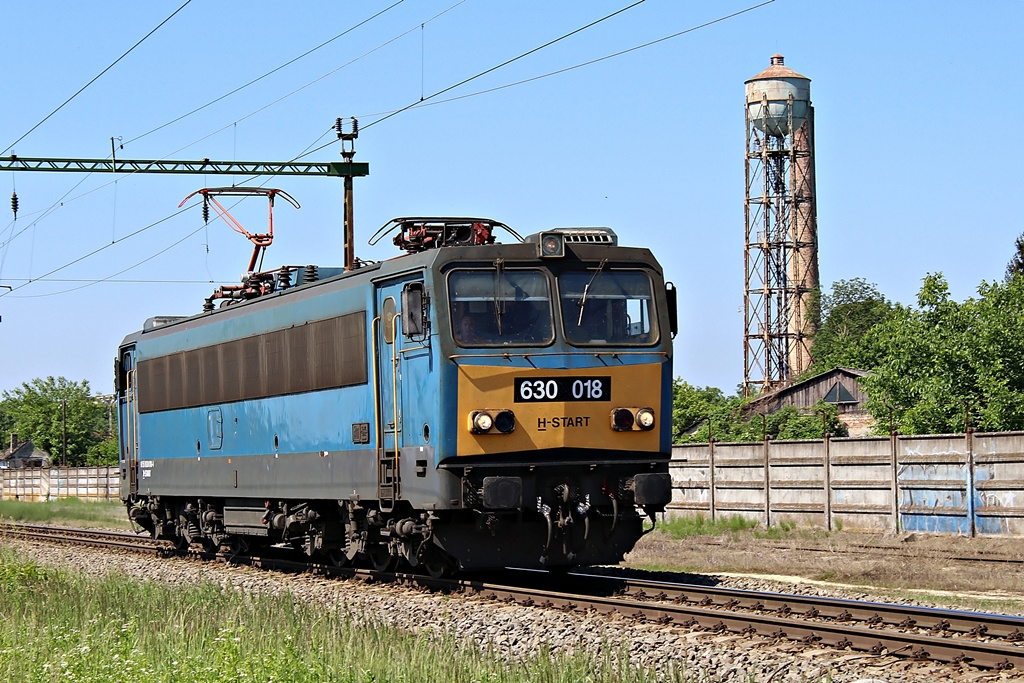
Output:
(335, 558)
(436, 567)
(380, 558)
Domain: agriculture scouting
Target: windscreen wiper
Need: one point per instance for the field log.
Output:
(586, 290)
(499, 301)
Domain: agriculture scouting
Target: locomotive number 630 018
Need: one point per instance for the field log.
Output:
(545, 389)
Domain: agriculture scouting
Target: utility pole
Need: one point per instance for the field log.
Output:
(64, 431)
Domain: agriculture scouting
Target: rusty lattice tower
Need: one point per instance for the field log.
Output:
(780, 254)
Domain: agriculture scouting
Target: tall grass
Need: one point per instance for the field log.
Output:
(60, 626)
(699, 525)
(68, 511)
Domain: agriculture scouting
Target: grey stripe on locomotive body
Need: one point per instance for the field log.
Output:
(308, 475)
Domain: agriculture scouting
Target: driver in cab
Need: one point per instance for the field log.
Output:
(465, 331)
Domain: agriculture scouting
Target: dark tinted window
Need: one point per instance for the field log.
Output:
(608, 307)
(510, 307)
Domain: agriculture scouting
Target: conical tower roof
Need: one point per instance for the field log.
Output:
(778, 69)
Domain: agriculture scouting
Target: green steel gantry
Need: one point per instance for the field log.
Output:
(337, 169)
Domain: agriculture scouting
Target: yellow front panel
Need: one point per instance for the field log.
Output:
(557, 424)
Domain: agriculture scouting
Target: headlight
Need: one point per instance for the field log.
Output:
(505, 421)
(551, 244)
(481, 422)
(645, 418)
(622, 419)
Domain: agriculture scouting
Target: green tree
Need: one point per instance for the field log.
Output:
(6, 426)
(944, 362)
(1016, 264)
(849, 313)
(43, 409)
(699, 413)
(102, 453)
(691, 405)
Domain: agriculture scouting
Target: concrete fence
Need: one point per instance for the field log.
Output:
(51, 483)
(968, 484)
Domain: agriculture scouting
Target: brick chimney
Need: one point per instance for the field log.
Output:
(14, 441)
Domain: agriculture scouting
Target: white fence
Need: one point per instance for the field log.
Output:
(51, 483)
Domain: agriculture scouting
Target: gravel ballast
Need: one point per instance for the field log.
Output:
(515, 632)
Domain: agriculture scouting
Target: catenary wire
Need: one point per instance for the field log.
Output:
(494, 68)
(326, 75)
(269, 73)
(223, 128)
(120, 272)
(507, 62)
(590, 62)
(424, 103)
(106, 246)
(96, 77)
(27, 281)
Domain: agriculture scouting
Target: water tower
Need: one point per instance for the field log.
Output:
(780, 254)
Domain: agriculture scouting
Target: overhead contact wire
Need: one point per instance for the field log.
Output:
(597, 60)
(104, 247)
(223, 128)
(125, 270)
(317, 80)
(506, 62)
(96, 77)
(417, 105)
(269, 73)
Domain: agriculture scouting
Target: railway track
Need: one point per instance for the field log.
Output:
(891, 552)
(87, 537)
(986, 641)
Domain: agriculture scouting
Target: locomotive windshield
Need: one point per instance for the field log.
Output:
(608, 307)
(500, 307)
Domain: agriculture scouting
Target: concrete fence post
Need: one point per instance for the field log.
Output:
(828, 481)
(711, 475)
(894, 480)
(971, 483)
(767, 484)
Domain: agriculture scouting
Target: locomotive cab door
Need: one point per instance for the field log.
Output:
(388, 397)
(127, 420)
(399, 358)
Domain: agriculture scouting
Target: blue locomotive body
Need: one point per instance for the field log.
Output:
(471, 406)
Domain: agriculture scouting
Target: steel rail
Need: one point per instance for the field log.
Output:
(989, 655)
(891, 551)
(89, 537)
(934, 620)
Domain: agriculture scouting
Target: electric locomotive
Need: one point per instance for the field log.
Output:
(467, 405)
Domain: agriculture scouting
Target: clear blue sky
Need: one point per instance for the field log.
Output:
(917, 105)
